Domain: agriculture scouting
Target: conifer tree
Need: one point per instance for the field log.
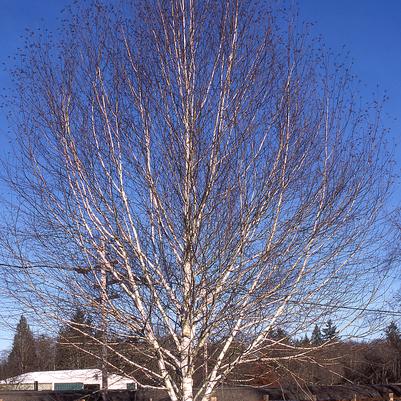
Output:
(22, 357)
(305, 340)
(73, 341)
(280, 335)
(45, 352)
(393, 336)
(329, 332)
(316, 337)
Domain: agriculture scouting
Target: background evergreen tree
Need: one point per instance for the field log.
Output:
(72, 338)
(316, 337)
(280, 335)
(305, 340)
(22, 357)
(3, 365)
(45, 352)
(329, 331)
(393, 335)
(393, 342)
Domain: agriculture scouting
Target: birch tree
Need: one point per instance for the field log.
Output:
(194, 175)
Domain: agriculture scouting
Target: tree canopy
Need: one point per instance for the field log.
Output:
(75, 348)
(22, 357)
(196, 176)
(329, 331)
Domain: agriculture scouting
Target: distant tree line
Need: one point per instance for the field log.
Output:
(370, 362)
(43, 352)
(377, 361)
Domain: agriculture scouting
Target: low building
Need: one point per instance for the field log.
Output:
(77, 379)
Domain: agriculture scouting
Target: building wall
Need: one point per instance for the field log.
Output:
(26, 387)
(65, 395)
(221, 394)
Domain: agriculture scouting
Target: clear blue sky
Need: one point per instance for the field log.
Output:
(15, 17)
(369, 29)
